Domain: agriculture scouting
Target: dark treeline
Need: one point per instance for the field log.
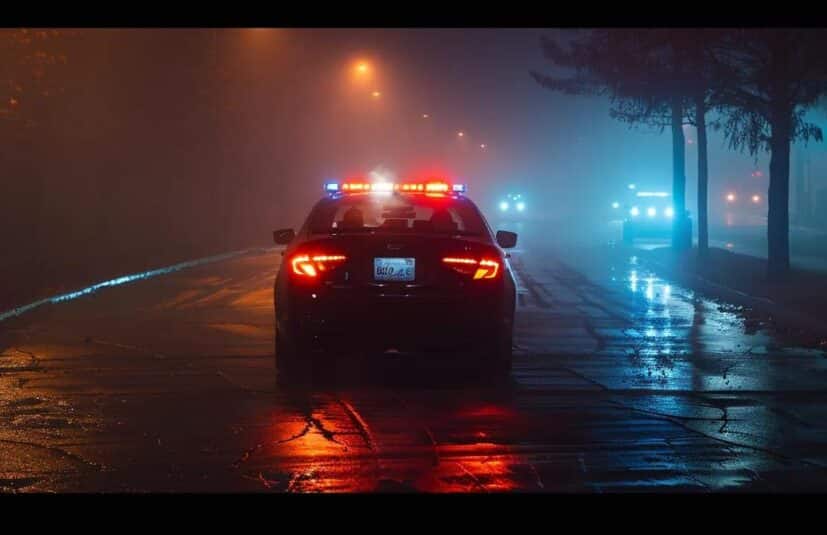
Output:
(759, 82)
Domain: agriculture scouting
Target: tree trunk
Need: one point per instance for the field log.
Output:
(799, 192)
(681, 240)
(703, 178)
(778, 216)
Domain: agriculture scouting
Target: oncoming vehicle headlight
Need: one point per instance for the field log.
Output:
(520, 206)
(635, 211)
(652, 211)
(669, 212)
(503, 206)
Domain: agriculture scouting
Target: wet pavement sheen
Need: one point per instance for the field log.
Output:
(622, 382)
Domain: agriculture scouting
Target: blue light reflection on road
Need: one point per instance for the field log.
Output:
(125, 279)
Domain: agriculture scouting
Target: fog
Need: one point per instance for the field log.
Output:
(138, 148)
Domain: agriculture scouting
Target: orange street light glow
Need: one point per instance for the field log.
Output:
(376, 94)
(756, 198)
(361, 72)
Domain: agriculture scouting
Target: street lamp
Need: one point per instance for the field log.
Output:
(482, 146)
(730, 197)
(461, 134)
(362, 68)
(376, 94)
(361, 73)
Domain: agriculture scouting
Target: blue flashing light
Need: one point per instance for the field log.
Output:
(331, 186)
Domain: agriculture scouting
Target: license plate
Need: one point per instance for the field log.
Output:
(394, 269)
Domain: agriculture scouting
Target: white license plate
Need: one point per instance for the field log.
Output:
(394, 269)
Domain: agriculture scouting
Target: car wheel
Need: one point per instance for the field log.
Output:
(293, 366)
(501, 359)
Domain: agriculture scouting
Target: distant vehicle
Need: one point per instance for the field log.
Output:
(750, 201)
(645, 214)
(408, 268)
(512, 204)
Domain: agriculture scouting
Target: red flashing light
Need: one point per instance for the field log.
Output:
(434, 187)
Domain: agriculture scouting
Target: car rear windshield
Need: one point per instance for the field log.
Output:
(397, 213)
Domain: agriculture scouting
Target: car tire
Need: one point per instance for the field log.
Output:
(501, 359)
(293, 366)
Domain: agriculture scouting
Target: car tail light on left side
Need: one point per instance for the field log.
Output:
(312, 265)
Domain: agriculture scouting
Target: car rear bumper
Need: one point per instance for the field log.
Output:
(407, 326)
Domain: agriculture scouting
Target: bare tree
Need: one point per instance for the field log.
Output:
(780, 73)
(657, 78)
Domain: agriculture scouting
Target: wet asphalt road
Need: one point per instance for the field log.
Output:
(622, 382)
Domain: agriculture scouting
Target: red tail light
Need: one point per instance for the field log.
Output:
(484, 268)
(311, 265)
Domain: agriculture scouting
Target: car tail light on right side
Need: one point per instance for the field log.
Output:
(483, 267)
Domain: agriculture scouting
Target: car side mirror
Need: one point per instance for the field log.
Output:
(284, 236)
(506, 239)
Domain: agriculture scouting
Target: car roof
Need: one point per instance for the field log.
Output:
(452, 197)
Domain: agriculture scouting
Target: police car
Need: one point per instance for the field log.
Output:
(406, 269)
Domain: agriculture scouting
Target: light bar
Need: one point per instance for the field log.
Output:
(353, 186)
(652, 194)
(382, 186)
(436, 186)
(356, 186)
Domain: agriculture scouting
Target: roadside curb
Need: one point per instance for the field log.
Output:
(780, 314)
(125, 279)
